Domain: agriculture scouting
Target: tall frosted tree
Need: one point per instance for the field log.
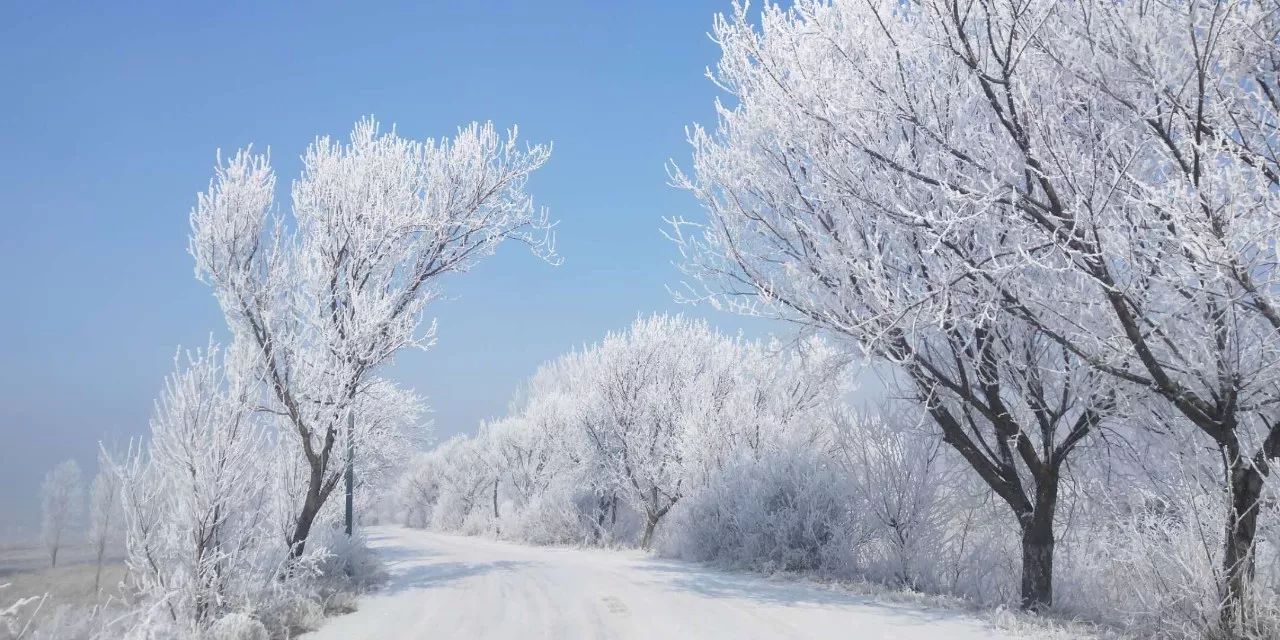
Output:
(61, 501)
(804, 223)
(329, 294)
(1095, 180)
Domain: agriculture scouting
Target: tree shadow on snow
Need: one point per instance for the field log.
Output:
(436, 574)
(717, 584)
(396, 555)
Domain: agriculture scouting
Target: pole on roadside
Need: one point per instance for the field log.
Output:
(351, 470)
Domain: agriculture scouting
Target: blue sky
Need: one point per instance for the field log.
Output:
(112, 115)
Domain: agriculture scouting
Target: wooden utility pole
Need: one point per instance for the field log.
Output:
(351, 470)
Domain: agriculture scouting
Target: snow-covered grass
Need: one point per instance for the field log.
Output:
(60, 602)
(31, 555)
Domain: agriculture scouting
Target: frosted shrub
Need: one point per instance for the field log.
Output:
(1154, 566)
(1151, 562)
(448, 513)
(237, 626)
(788, 511)
(546, 520)
(16, 616)
(287, 613)
(196, 539)
(562, 515)
(896, 475)
(347, 564)
(929, 525)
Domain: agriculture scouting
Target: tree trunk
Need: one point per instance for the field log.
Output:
(97, 574)
(1037, 565)
(54, 559)
(600, 516)
(497, 528)
(650, 523)
(1038, 544)
(350, 474)
(1238, 558)
(307, 517)
(302, 529)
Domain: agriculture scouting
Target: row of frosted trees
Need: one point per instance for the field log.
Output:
(674, 437)
(627, 427)
(1053, 224)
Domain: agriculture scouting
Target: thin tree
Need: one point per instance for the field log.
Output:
(62, 500)
(104, 513)
(194, 496)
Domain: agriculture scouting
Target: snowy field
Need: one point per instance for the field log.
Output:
(461, 587)
(24, 566)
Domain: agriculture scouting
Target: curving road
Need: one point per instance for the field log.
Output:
(458, 587)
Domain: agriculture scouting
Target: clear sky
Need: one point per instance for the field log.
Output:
(111, 115)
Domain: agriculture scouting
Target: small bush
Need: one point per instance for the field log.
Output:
(784, 512)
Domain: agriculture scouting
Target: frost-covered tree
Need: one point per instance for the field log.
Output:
(104, 513)
(465, 480)
(1104, 173)
(61, 502)
(1171, 240)
(813, 218)
(902, 480)
(648, 413)
(552, 406)
(389, 427)
(329, 294)
(530, 448)
(194, 496)
(417, 491)
(638, 386)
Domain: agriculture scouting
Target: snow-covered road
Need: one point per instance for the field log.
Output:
(469, 588)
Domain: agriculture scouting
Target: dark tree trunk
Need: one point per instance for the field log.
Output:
(1038, 544)
(302, 529)
(1037, 566)
(650, 523)
(97, 573)
(497, 528)
(604, 505)
(1242, 528)
(349, 517)
(316, 495)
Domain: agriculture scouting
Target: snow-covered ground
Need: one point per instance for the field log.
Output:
(458, 587)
